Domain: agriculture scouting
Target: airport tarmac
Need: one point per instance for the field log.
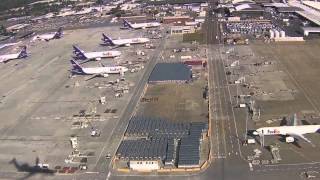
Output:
(39, 101)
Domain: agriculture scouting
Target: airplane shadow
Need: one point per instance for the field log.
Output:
(31, 169)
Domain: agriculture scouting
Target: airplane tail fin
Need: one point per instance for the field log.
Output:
(126, 24)
(107, 40)
(76, 66)
(58, 33)
(78, 53)
(23, 52)
(318, 131)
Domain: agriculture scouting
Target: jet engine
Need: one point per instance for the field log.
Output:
(289, 139)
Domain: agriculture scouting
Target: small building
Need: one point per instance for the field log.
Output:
(144, 165)
(196, 64)
(176, 19)
(199, 20)
(170, 73)
(182, 29)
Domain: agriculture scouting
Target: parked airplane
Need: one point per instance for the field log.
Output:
(80, 54)
(127, 24)
(97, 71)
(122, 42)
(22, 54)
(49, 36)
(8, 45)
(291, 133)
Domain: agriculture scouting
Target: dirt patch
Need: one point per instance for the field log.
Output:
(176, 102)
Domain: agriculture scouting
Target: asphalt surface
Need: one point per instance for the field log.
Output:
(103, 167)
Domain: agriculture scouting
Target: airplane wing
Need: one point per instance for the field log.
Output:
(96, 75)
(301, 136)
(28, 175)
(92, 77)
(85, 61)
(115, 47)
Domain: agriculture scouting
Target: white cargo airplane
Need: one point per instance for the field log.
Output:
(81, 55)
(127, 24)
(22, 54)
(290, 132)
(49, 36)
(97, 71)
(123, 42)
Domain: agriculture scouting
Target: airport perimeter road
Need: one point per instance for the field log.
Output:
(103, 166)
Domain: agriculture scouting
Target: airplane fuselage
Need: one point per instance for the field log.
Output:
(145, 25)
(286, 130)
(120, 42)
(8, 57)
(103, 54)
(45, 36)
(105, 70)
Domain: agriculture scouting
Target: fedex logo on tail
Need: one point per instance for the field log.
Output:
(23, 53)
(107, 40)
(76, 68)
(78, 53)
(126, 24)
(58, 33)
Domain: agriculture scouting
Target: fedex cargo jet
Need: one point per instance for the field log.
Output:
(127, 24)
(22, 54)
(291, 133)
(80, 54)
(97, 71)
(123, 42)
(49, 36)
